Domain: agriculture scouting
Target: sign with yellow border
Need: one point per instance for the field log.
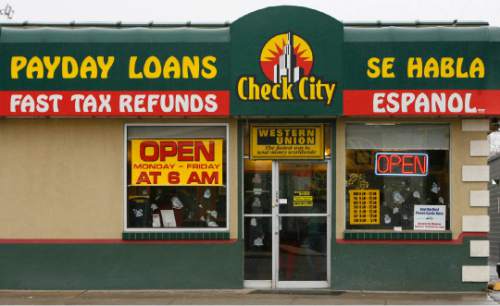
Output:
(286, 142)
(176, 162)
(364, 206)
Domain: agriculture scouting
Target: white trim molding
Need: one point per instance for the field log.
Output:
(474, 173)
(479, 248)
(479, 148)
(479, 198)
(476, 223)
(479, 274)
(475, 125)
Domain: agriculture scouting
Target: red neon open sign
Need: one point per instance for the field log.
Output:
(401, 164)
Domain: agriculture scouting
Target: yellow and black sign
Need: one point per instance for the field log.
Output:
(302, 199)
(177, 162)
(364, 206)
(286, 142)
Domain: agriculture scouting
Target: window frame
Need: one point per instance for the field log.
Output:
(450, 175)
(228, 184)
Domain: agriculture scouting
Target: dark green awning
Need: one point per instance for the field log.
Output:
(112, 35)
(408, 34)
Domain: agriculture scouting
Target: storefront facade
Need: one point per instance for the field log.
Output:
(285, 150)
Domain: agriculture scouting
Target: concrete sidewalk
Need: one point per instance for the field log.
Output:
(248, 297)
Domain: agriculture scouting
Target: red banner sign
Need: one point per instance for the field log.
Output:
(421, 102)
(113, 103)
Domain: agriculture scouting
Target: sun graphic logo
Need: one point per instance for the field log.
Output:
(286, 55)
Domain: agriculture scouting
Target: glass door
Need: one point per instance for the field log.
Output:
(301, 246)
(258, 223)
(286, 222)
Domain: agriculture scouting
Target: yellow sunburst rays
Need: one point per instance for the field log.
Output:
(274, 46)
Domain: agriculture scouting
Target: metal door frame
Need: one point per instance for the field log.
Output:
(275, 220)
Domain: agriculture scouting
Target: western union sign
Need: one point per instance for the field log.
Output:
(286, 142)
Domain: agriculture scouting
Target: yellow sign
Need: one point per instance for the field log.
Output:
(176, 162)
(302, 199)
(99, 67)
(286, 142)
(364, 206)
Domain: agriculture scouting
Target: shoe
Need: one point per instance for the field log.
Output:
(397, 197)
(212, 224)
(257, 179)
(435, 188)
(416, 194)
(258, 242)
(387, 219)
(176, 203)
(256, 202)
(212, 213)
(207, 194)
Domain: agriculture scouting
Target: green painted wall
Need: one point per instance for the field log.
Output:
(425, 267)
(121, 266)
(385, 267)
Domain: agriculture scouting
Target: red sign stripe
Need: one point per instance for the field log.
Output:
(114, 103)
(425, 102)
(112, 241)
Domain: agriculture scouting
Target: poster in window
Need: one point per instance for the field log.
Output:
(429, 218)
(364, 206)
(176, 162)
(302, 199)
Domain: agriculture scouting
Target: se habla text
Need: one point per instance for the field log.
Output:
(427, 68)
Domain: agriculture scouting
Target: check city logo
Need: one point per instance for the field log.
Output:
(286, 56)
(286, 60)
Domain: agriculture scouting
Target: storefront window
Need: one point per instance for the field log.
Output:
(397, 177)
(176, 177)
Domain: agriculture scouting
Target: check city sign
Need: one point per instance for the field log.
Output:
(286, 60)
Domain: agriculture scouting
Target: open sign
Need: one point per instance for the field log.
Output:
(401, 164)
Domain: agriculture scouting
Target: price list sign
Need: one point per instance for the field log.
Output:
(364, 206)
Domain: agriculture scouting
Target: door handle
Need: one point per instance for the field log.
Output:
(276, 200)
